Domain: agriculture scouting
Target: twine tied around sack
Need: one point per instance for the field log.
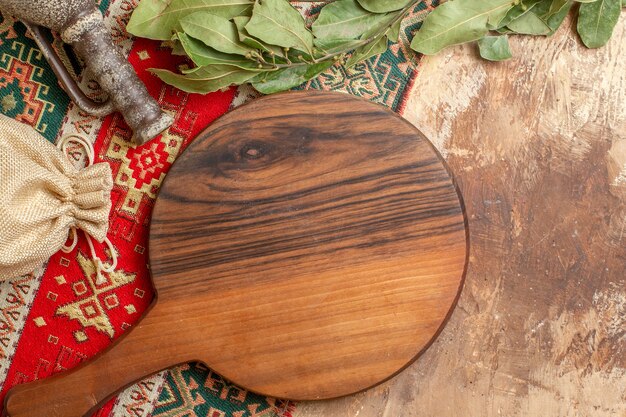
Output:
(100, 266)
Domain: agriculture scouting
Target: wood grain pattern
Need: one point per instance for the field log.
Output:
(538, 147)
(307, 246)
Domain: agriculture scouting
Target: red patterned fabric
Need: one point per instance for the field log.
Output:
(99, 313)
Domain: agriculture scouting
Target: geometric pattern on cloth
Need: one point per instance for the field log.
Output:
(139, 399)
(29, 91)
(59, 316)
(17, 295)
(194, 387)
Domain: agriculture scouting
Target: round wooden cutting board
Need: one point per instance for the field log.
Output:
(307, 245)
(319, 239)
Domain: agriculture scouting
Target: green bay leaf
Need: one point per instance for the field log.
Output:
(383, 6)
(596, 21)
(247, 39)
(276, 22)
(529, 24)
(544, 7)
(217, 32)
(394, 31)
(203, 55)
(332, 46)
(345, 19)
(556, 6)
(287, 78)
(553, 12)
(146, 20)
(159, 19)
(382, 25)
(205, 79)
(457, 21)
(513, 13)
(367, 51)
(554, 20)
(494, 48)
(496, 17)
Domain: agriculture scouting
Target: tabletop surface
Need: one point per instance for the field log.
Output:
(536, 144)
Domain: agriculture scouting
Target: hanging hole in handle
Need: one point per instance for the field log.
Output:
(70, 85)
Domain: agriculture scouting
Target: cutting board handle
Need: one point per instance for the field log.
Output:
(83, 390)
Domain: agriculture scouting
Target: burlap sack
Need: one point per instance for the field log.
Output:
(42, 195)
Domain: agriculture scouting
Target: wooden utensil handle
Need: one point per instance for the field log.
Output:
(83, 390)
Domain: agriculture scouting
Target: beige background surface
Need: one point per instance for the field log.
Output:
(538, 147)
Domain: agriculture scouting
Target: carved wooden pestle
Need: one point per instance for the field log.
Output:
(81, 25)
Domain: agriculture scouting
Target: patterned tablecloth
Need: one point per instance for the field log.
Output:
(56, 317)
